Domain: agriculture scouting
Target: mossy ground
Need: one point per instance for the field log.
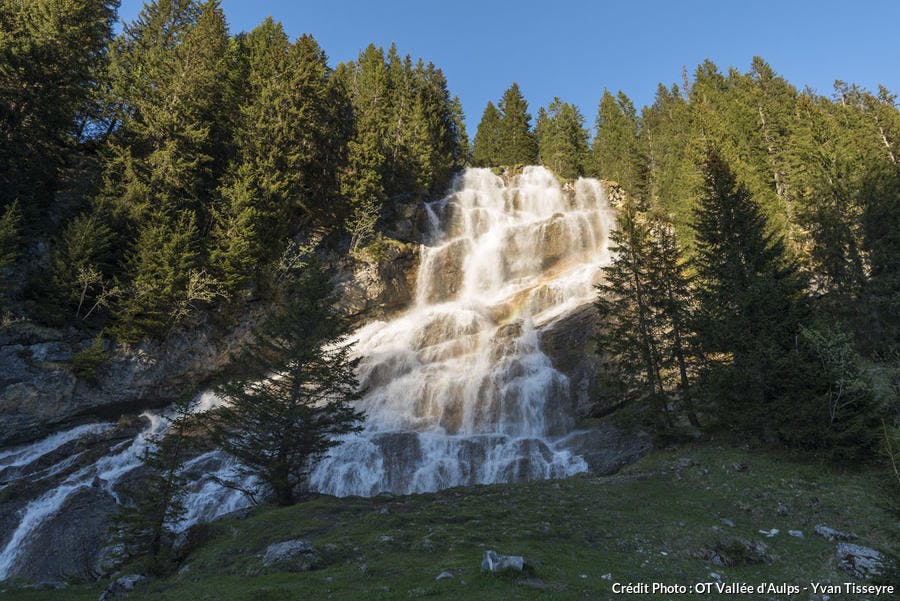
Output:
(652, 522)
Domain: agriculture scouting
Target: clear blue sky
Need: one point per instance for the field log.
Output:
(575, 49)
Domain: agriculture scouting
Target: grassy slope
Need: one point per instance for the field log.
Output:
(572, 531)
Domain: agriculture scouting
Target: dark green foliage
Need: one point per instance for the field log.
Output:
(293, 394)
(517, 145)
(880, 315)
(166, 282)
(562, 139)
(617, 154)
(81, 267)
(10, 235)
(750, 303)
(88, 360)
(52, 54)
(146, 527)
(290, 140)
(486, 152)
(646, 300)
(407, 139)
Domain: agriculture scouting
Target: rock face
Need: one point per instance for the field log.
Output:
(569, 342)
(76, 533)
(858, 561)
(607, 449)
(384, 284)
(39, 392)
(121, 587)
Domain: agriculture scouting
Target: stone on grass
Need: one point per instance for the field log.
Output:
(832, 534)
(121, 586)
(494, 562)
(444, 575)
(290, 555)
(796, 533)
(858, 561)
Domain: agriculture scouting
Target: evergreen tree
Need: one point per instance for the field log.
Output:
(81, 266)
(562, 139)
(517, 145)
(10, 237)
(630, 336)
(672, 296)
(486, 152)
(147, 526)
(293, 394)
(750, 303)
(52, 54)
(617, 153)
(290, 139)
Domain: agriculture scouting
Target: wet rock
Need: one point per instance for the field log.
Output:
(442, 272)
(39, 391)
(569, 341)
(796, 533)
(121, 587)
(832, 534)
(858, 561)
(290, 556)
(444, 576)
(494, 562)
(77, 533)
(607, 449)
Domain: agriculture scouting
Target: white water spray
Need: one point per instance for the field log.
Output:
(457, 390)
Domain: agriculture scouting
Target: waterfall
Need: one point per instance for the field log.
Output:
(457, 389)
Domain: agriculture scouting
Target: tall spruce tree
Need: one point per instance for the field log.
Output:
(517, 145)
(617, 152)
(562, 139)
(294, 390)
(750, 303)
(52, 57)
(631, 335)
(486, 151)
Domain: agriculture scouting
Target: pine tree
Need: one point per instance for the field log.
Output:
(630, 337)
(10, 239)
(750, 302)
(562, 139)
(293, 393)
(517, 145)
(81, 266)
(617, 153)
(486, 152)
(52, 54)
(147, 526)
(290, 139)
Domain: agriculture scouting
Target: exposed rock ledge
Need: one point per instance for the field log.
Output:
(39, 392)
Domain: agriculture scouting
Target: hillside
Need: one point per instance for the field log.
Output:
(658, 520)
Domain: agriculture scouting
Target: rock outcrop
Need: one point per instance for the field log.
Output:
(39, 391)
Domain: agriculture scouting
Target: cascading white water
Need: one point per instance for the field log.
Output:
(457, 390)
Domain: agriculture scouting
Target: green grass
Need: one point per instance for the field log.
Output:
(650, 523)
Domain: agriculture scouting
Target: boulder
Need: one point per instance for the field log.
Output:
(832, 534)
(858, 561)
(121, 587)
(290, 556)
(494, 562)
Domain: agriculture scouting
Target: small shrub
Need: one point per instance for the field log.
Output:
(88, 360)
